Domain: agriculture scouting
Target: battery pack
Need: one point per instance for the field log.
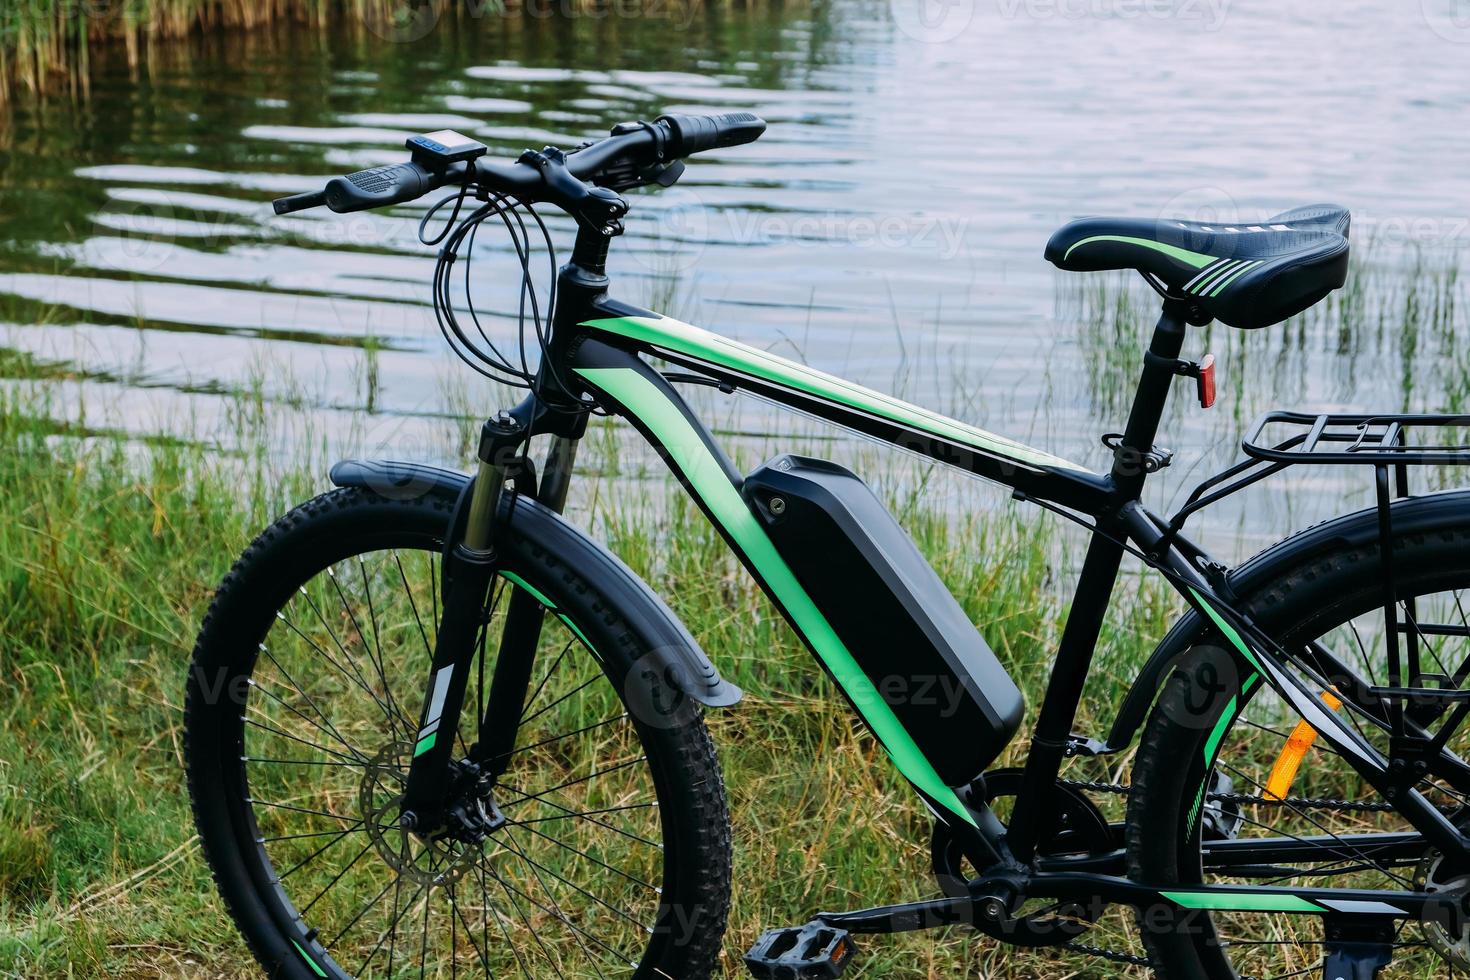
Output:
(891, 610)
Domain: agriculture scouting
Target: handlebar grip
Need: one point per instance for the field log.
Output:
(380, 186)
(299, 202)
(695, 134)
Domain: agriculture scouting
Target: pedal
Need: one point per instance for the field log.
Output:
(815, 950)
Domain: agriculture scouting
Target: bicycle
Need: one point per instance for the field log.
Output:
(465, 716)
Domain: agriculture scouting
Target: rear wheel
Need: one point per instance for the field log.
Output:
(607, 853)
(1205, 769)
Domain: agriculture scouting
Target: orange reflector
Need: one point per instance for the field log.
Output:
(1298, 744)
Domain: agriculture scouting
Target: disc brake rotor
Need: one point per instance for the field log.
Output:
(432, 861)
(1450, 941)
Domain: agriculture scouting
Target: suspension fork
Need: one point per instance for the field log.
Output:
(469, 568)
(523, 620)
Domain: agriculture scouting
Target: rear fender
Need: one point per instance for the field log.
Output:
(674, 652)
(1349, 531)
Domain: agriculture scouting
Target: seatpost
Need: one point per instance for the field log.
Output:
(1159, 373)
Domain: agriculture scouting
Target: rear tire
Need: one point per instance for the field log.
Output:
(242, 649)
(1304, 599)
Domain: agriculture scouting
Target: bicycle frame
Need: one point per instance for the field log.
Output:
(603, 343)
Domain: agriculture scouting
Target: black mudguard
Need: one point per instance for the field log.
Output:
(1351, 530)
(684, 663)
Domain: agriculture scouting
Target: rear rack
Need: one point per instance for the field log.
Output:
(1391, 444)
(1277, 440)
(1376, 439)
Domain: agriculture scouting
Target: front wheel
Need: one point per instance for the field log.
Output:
(1213, 764)
(607, 853)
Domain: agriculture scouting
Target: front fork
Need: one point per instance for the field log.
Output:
(470, 569)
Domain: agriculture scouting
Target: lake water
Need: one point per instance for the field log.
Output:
(889, 226)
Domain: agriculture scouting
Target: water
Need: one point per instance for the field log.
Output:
(888, 228)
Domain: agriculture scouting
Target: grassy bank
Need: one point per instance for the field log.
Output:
(109, 550)
(50, 45)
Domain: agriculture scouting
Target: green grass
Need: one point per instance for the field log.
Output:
(110, 548)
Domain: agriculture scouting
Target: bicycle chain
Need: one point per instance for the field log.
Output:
(1294, 802)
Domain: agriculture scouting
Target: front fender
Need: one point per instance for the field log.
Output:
(673, 649)
(1349, 531)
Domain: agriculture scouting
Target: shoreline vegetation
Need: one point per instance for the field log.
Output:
(48, 46)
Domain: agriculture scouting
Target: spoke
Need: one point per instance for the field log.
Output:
(330, 729)
(428, 647)
(318, 852)
(468, 931)
(492, 912)
(363, 911)
(320, 748)
(396, 713)
(580, 687)
(510, 893)
(332, 661)
(549, 671)
(594, 860)
(295, 809)
(579, 731)
(576, 887)
(577, 932)
(338, 877)
(588, 815)
(1408, 886)
(582, 779)
(556, 912)
(319, 833)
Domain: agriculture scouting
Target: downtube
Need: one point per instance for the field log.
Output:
(642, 396)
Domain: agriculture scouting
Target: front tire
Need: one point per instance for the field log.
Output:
(614, 855)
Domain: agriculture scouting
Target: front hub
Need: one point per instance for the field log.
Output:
(427, 854)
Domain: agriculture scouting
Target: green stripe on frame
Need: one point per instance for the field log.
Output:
(709, 483)
(1226, 628)
(1196, 260)
(425, 744)
(683, 338)
(1242, 902)
(309, 961)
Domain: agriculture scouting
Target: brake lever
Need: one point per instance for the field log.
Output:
(595, 207)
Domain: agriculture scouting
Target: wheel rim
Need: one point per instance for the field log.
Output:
(568, 882)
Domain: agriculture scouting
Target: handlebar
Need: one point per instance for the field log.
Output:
(635, 154)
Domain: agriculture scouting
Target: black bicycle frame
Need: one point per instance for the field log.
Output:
(599, 345)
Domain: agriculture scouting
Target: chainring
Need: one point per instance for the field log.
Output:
(1078, 828)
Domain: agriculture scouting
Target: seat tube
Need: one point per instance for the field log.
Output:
(1029, 820)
